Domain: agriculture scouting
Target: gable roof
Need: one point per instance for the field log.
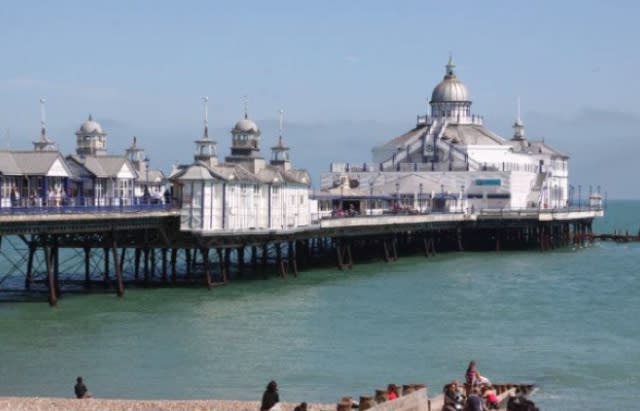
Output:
(102, 166)
(30, 162)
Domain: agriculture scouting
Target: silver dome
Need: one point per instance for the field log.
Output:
(90, 127)
(246, 126)
(450, 89)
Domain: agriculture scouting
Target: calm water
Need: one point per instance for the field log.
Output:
(566, 320)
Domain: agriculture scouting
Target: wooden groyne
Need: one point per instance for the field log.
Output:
(615, 236)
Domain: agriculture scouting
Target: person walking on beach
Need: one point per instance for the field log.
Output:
(270, 396)
(81, 389)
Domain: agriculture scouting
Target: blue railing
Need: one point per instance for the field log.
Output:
(88, 206)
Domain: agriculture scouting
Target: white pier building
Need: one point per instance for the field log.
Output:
(245, 193)
(451, 162)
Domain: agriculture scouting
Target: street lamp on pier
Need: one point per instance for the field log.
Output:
(146, 195)
(370, 197)
(420, 198)
(579, 195)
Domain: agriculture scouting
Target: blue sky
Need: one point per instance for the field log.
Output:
(349, 74)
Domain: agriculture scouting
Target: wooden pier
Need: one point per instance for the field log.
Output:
(54, 254)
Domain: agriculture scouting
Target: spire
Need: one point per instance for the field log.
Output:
(43, 120)
(43, 144)
(450, 66)
(206, 116)
(518, 126)
(90, 118)
(246, 106)
(280, 152)
(281, 121)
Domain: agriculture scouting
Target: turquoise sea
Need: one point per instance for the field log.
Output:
(566, 320)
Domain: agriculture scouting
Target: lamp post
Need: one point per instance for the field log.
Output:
(579, 195)
(370, 197)
(398, 195)
(462, 197)
(420, 198)
(571, 193)
(146, 194)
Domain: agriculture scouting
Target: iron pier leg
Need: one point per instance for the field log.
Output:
(152, 262)
(137, 264)
(187, 254)
(53, 299)
(56, 265)
(265, 255)
(293, 263)
(394, 247)
(174, 258)
(207, 271)
(279, 262)
(118, 269)
(106, 267)
(164, 265)
(254, 258)
(240, 254)
(87, 267)
(29, 280)
(227, 264)
(145, 266)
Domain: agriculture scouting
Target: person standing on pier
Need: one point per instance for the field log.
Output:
(270, 396)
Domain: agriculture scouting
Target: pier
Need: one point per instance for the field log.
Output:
(84, 250)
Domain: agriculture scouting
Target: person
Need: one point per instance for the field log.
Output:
(15, 197)
(81, 389)
(490, 397)
(474, 401)
(301, 407)
(270, 396)
(392, 393)
(471, 374)
(453, 397)
(482, 380)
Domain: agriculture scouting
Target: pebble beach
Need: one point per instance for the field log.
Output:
(96, 404)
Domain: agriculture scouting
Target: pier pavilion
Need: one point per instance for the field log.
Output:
(451, 161)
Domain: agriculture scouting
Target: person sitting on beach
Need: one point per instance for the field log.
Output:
(270, 396)
(474, 401)
(453, 397)
(482, 380)
(490, 397)
(392, 393)
(81, 389)
(301, 407)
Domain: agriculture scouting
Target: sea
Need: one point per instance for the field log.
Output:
(566, 320)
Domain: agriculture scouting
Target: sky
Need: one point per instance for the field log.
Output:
(348, 74)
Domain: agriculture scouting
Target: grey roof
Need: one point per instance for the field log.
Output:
(8, 164)
(540, 147)
(30, 162)
(404, 138)
(102, 166)
(472, 134)
(195, 172)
